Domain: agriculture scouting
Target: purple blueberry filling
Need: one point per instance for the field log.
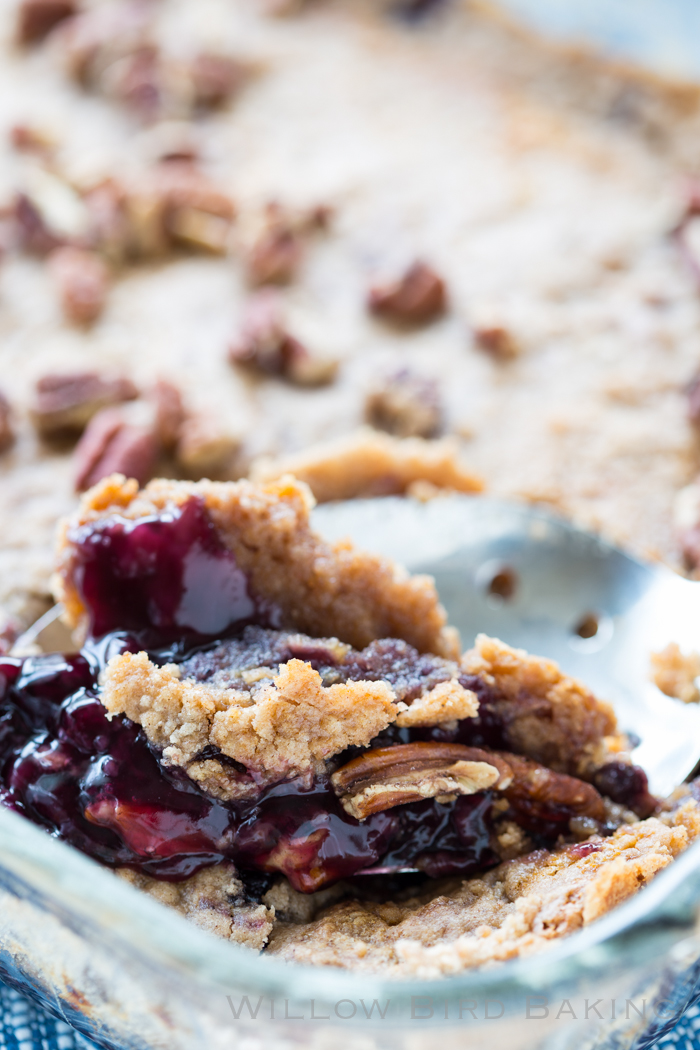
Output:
(168, 585)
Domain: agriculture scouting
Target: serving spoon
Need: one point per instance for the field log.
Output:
(536, 582)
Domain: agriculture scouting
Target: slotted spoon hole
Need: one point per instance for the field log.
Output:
(591, 632)
(588, 626)
(498, 581)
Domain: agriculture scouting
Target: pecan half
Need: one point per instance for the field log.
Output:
(68, 401)
(112, 444)
(393, 776)
(82, 280)
(416, 298)
(36, 18)
(538, 794)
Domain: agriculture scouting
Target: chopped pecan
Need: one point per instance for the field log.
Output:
(689, 540)
(68, 401)
(82, 280)
(497, 340)
(266, 345)
(36, 18)
(170, 412)
(278, 250)
(105, 204)
(7, 434)
(48, 212)
(393, 776)
(405, 404)
(205, 448)
(27, 139)
(178, 204)
(113, 444)
(693, 402)
(96, 38)
(416, 298)
(215, 78)
(135, 79)
(32, 231)
(538, 794)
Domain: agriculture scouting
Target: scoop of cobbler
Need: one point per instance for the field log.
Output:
(279, 738)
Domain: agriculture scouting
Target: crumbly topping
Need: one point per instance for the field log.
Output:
(548, 716)
(281, 728)
(444, 703)
(214, 900)
(369, 463)
(320, 588)
(518, 908)
(676, 673)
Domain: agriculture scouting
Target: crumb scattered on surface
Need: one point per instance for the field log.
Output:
(676, 673)
(369, 463)
(445, 702)
(214, 900)
(319, 588)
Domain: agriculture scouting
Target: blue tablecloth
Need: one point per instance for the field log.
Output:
(24, 1026)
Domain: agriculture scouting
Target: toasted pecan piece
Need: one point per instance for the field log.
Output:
(68, 401)
(36, 18)
(405, 404)
(114, 444)
(393, 776)
(416, 298)
(535, 791)
(7, 433)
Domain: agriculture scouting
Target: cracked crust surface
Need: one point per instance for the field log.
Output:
(369, 463)
(281, 728)
(518, 908)
(214, 900)
(320, 588)
(548, 716)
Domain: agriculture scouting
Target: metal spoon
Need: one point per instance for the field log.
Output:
(537, 582)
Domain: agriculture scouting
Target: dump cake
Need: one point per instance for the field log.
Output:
(280, 739)
(469, 238)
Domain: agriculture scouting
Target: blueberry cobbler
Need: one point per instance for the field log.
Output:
(280, 739)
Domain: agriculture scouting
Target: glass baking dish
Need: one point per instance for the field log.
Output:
(130, 973)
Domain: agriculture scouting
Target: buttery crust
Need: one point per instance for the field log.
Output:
(548, 716)
(281, 728)
(369, 463)
(214, 900)
(518, 908)
(320, 588)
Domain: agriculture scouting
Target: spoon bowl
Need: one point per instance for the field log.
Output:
(537, 582)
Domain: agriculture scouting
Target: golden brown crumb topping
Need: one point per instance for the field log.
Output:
(320, 588)
(549, 716)
(284, 727)
(369, 463)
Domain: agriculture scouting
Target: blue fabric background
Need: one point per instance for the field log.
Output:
(24, 1026)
